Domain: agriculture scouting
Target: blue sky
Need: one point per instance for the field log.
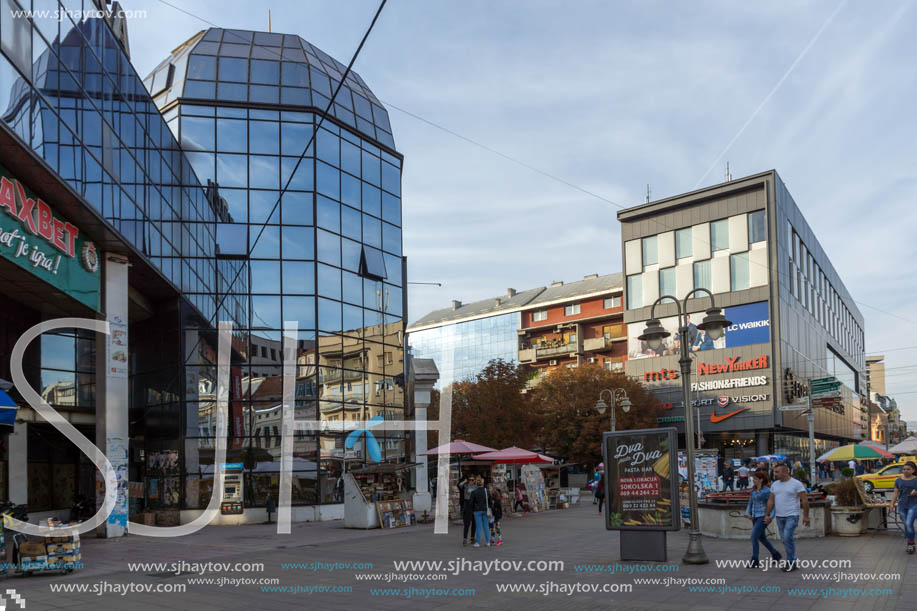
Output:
(611, 96)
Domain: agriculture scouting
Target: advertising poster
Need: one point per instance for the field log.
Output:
(750, 325)
(641, 479)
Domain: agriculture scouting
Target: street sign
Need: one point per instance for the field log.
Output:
(792, 408)
(831, 394)
(820, 388)
(828, 380)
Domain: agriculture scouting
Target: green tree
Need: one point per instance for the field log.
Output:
(572, 427)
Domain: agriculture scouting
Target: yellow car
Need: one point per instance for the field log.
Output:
(884, 478)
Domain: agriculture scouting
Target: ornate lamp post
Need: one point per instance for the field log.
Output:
(714, 325)
(601, 406)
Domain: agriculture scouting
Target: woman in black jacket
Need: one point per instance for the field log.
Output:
(480, 500)
(496, 509)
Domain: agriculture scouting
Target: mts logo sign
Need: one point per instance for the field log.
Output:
(732, 364)
(659, 376)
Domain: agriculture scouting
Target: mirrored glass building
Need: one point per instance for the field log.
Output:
(194, 196)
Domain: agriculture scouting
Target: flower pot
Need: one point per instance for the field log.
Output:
(848, 521)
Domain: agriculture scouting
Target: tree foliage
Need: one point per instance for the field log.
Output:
(492, 410)
(571, 426)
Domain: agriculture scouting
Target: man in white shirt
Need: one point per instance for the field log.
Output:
(787, 494)
(742, 472)
(852, 464)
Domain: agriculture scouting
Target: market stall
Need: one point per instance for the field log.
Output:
(376, 496)
(531, 481)
(457, 469)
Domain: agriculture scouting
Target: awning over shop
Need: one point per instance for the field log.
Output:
(8, 409)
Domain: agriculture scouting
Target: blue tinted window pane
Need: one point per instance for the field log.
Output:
(352, 288)
(202, 163)
(264, 171)
(391, 239)
(393, 268)
(297, 208)
(264, 137)
(266, 312)
(380, 118)
(756, 228)
(265, 72)
(328, 147)
(350, 158)
(300, 310)
(298, 243)
(302, 180)
(233, 69)
(295, 96)
(328, 214)
(199, 89)
(210, 48)
(351, 252)
(202, 67)
(231, 113)
(719, 234)
(372, 263)
(329, 248)
(265, 276)
(268, 244)
(391, 179)
(391, 209)
(328, 180)
(232, 170)
(371, 168)
(264, 93)
(350, 190)
(232, 136)
(231, 239)
(372, 202)
(296, 75)
(361, 105)
(351, 223)
(295, 137)
(320, 83)
(262, 207)
(299, 277)
(329, 281)
(372, 231)
(232, 92)
(234, 50)
(264, 115)
(353, 319)
(329, 315)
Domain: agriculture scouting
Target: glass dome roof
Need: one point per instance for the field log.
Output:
(265, 68)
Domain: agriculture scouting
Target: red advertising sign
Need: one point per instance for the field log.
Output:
(732, 364)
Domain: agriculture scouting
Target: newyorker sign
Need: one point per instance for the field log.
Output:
(37, 239)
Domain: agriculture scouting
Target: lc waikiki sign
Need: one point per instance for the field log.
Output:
(36, 238)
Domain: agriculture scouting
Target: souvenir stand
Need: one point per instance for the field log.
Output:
(531, 481)
(376, 496)
(457, 469)
(58, 551)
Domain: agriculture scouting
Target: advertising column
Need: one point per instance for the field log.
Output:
(112, 391)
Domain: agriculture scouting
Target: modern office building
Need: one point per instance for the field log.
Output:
(793, 319)
(166, 205)
(562, 325)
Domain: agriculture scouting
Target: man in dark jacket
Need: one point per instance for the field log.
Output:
(466, 487)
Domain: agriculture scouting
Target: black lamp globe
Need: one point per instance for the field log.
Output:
(714, 324)
(654, 333)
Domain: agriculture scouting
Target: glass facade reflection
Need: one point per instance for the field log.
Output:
(476, 343)
(200, 168)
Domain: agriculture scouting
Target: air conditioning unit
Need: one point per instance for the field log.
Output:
(591, 359)
(552, 362)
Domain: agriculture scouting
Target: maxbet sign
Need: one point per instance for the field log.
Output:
(36, 238)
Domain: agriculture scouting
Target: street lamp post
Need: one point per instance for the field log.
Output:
(714, 325)
(601, 406)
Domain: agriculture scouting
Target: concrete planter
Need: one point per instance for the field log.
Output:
(849, 521)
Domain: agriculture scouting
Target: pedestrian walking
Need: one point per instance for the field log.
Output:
(496, 514)
(905, 496)
(466, 487)
(756, 512)
(742, 479)
(728, 478)
(860, 468)
(786, 496)
(480, 502)
(600, 492)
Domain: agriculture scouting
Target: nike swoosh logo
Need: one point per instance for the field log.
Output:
(715, 418)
